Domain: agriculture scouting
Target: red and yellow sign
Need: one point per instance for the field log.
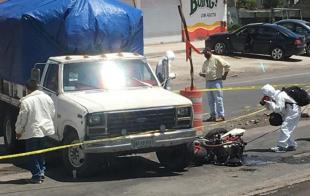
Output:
(204, 17)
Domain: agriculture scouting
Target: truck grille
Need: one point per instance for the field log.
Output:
(140, 120)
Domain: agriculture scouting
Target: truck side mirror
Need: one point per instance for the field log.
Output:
(163, 69)
(35, 74)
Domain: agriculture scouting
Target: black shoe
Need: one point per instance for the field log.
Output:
(42, 177)
(278, 149)
(211, 119)
(291, 148)
(35, 181)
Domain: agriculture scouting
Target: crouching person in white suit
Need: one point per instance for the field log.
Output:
(279, 102)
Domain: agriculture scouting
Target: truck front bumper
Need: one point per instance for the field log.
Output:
(141, 141)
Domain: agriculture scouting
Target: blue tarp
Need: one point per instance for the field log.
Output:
(33, 30)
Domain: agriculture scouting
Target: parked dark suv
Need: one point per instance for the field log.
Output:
(259, 38)
(301, 27)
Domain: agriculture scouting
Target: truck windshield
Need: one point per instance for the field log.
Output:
(115, 74)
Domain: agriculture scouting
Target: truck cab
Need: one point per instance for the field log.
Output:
(115, 105)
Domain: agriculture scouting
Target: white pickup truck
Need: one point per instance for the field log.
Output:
(114, 97)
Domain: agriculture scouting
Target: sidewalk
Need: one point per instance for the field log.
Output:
(153, 50)
(240, 63)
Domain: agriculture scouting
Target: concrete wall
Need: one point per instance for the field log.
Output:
(162, 22)
(304, 5)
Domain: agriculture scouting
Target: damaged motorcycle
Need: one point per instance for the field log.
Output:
(220, 147)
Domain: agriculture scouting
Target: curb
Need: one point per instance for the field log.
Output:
(161, 53)
(274, 184)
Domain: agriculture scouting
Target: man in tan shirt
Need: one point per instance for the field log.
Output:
(215, 70)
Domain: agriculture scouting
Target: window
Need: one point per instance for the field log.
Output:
(290, 26)
(251, 30)
(114, 74)
(242, 32)
(268, 32)
(41, 67)
(51, 78)
(301, 30)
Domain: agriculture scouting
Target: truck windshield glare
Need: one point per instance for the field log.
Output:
(116, 74)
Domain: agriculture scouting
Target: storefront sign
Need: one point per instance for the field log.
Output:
(204, 17)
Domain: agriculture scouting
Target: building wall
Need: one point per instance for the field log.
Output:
(161, 20)
(304, 5)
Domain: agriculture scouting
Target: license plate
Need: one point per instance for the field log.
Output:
(142, 143)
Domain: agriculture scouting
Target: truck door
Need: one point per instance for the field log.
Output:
(50, 87)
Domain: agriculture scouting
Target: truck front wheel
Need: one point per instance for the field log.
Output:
(74, 158)
(10, 141)
(175, 158)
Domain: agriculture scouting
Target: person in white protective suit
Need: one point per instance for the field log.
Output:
(163, 69)
(279, 102)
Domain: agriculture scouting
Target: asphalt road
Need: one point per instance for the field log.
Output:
(236, 101)
(136, 175)
(142, 175)
(246, 70)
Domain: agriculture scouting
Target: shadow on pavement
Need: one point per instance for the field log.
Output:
(258, 150)
(16, 182)
(118, 168)
(303, 139)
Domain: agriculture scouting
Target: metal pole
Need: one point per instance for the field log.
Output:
(190, 49)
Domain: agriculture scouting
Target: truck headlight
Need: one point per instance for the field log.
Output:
(96, 119)
(184, 117)
(184, 112)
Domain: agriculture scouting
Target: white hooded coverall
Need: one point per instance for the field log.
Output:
(286, 106)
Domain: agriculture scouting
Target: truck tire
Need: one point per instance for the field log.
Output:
(75, 159)
(175, 158)
(10, 141)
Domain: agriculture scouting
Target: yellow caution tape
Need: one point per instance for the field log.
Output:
(234, 119)
(240, 117)
(154, 131)
(38, 151)
(67, 146)
(239, 88)
(103, 140)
